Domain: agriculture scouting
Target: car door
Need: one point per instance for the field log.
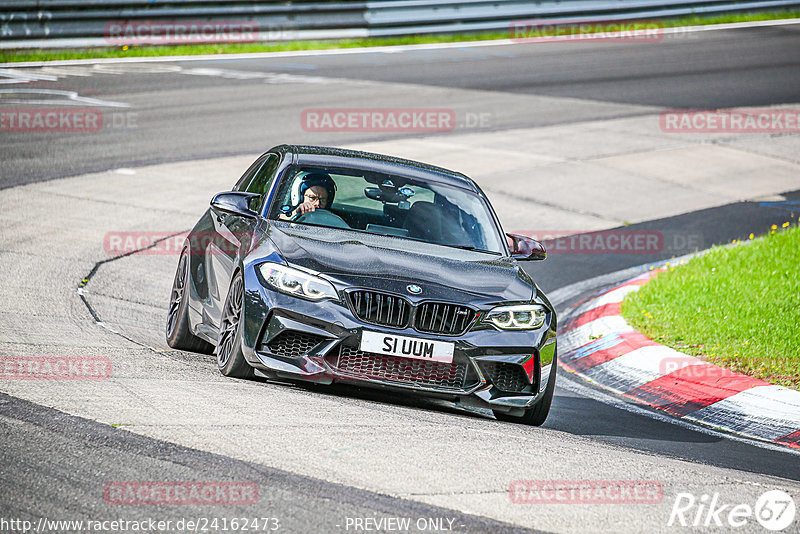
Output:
(233, 234)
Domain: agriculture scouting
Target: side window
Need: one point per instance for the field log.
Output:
(262, 180)
(244, 181)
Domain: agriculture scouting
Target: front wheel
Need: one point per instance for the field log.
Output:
(537, 415)
(230, 360)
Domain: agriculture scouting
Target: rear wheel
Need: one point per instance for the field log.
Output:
(230, 359)
(537, 415)
(178, 333)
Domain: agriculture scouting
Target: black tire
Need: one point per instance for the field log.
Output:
(537, 415)
(230, 360)
(178, 334)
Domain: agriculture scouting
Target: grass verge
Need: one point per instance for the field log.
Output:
(737, 307)
(240, 48)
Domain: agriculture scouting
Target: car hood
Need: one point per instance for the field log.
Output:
(351, 258)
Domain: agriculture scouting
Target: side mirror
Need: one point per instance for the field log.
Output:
(235, 202)
(525, 248)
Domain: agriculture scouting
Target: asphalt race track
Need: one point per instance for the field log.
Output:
(564, 137)
(190, 110)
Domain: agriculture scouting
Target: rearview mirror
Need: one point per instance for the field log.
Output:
(391, 196)
(235, 202)
(525, 248)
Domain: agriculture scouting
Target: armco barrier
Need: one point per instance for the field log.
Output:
(79, 23)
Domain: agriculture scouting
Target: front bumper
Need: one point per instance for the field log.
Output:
(287, 337)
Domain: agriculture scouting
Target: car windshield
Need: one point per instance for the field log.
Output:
(388, 205)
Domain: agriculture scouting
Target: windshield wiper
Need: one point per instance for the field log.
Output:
(470, 247)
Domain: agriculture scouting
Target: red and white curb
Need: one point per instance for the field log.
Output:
(600, 346)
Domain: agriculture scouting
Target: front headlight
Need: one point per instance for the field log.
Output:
(521, 317)
(296, 283)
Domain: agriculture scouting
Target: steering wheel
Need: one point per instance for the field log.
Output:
(321, 217)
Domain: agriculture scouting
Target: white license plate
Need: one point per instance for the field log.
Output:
(407, 347)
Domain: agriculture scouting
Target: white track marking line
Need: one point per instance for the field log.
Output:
(68, 98)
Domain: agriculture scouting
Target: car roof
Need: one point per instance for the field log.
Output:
(356, 159)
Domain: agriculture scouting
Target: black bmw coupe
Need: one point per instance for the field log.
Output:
(330, 265)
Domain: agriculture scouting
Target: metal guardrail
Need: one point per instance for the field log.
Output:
(81, 23)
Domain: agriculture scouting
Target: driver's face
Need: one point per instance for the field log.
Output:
(317, 195)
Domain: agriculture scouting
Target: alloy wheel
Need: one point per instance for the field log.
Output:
(231, 315)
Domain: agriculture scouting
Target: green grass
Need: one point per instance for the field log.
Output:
(737, 307)
(239, 48)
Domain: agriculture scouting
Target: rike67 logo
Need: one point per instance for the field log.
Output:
(774, 510)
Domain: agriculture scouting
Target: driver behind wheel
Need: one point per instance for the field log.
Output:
(316, 191)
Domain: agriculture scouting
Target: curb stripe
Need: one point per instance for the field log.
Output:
(589, 305)
(767, 412)
(605, 342)
(692, 388)
(634, 282)
(792, 440)
(636, 368)
(598, 352)
(605, 310)
(608, 351)
(596, 329)
(614, 295)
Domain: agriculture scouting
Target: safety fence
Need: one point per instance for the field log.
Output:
(80, 23)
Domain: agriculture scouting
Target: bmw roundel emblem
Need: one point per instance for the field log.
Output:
(415, 289)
